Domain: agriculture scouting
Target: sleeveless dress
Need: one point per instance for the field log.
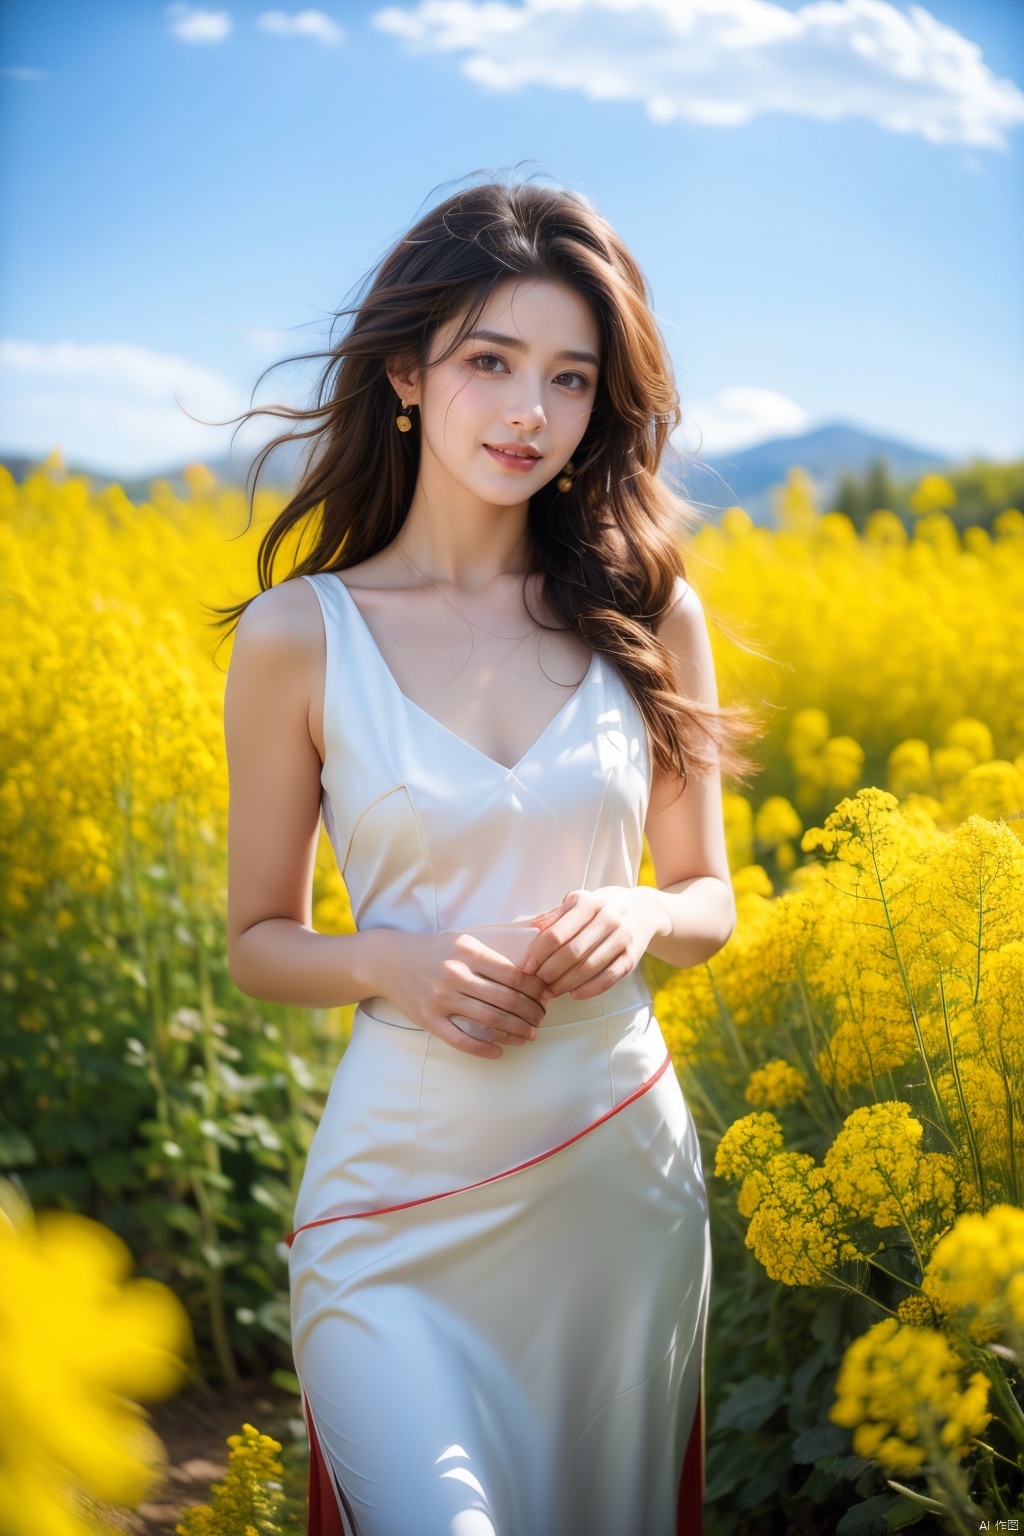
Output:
(500, 1268)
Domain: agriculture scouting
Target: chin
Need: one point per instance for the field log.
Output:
(501, 494)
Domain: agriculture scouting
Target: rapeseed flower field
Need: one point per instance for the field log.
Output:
(854, 1056)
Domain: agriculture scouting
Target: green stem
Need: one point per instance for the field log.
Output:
(905, 979)
(730, 1024)
(997, 1455)
(987, 1468)
(219, 1331)
(1012, 1415)
(693, 1084)
(854, 1290)
(211, 1157)
(955, 1068)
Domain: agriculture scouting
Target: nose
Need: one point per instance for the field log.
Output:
(527, 410)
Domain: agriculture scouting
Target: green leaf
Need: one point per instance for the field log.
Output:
(821, 1440)
(903, 1513)
(765, 1481)
(16, 1151)
(114, 1171)
(869, 1518)
(819, 1487)
(286, 1380)
(273, 1315)
(827, 1322)
(750, 1403)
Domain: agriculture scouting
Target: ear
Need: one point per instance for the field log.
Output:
(404, 377)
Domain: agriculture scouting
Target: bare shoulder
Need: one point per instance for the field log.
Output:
(683, 613)
(684, 631)
(282, 625)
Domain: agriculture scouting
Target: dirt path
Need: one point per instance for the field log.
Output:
(194, 1427)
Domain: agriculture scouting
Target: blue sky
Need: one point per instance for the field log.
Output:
(827, 199)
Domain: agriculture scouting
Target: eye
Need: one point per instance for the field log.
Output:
(572, 380)
(480, 359)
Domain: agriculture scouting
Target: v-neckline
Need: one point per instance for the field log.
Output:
(439, 724)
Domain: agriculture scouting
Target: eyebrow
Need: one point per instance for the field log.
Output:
(518, 345)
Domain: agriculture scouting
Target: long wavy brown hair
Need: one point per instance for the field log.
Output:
(608, 551)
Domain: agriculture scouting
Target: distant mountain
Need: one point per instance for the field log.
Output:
(745, 478)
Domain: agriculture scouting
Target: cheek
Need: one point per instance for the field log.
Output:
(458, 412)
(567, 419)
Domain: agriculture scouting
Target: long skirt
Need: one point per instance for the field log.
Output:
(499, 1285)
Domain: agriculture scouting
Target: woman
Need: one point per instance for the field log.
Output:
(490, 677)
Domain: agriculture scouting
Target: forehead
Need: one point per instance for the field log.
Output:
(546, 315)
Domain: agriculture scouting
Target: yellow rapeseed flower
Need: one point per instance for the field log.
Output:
(775, 1085)
(909, 768)
(795, 1226)
(244, 1503)
(901, 1390)
(747, 1145)
(976, 1270)
(878, 1171)
(933, 494)
(776, 822)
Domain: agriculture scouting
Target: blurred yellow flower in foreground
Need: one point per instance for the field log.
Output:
(80, 1345)
(977, 1270)
(901, 1391)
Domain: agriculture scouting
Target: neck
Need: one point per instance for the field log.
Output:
(453, 536)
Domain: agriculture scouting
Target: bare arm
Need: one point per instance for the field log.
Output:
(686, 832)
(274, 812)
(597, 937)
(278, 660)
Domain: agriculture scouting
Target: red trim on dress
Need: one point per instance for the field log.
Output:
(689, 1514)
(324, 1517)
(445, 1194)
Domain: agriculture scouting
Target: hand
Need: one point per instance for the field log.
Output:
(595, 938)
(461, 990)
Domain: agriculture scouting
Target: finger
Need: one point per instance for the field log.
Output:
(591, 965)
(565, 927)
(461, 1041)
(530, 991)
(508, 1028)
(530, 1009)
(619, 968)
(577, 948)
(478, 960)
(491, 1034)
(545, 919)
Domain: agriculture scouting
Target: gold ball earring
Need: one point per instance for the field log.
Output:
(404, 422)
(564, 481)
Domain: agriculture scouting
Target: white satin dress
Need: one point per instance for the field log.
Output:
(499, 1267)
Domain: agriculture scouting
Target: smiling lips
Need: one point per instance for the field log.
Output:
(515, 456)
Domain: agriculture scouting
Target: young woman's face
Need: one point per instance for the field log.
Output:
(504, 414)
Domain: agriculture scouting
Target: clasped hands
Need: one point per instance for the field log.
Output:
(479, 1001)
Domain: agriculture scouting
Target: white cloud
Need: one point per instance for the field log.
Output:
(191, 24)
(724, 62)
(112, 405)
(738, 417)
(313, 24)
(22, 72)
